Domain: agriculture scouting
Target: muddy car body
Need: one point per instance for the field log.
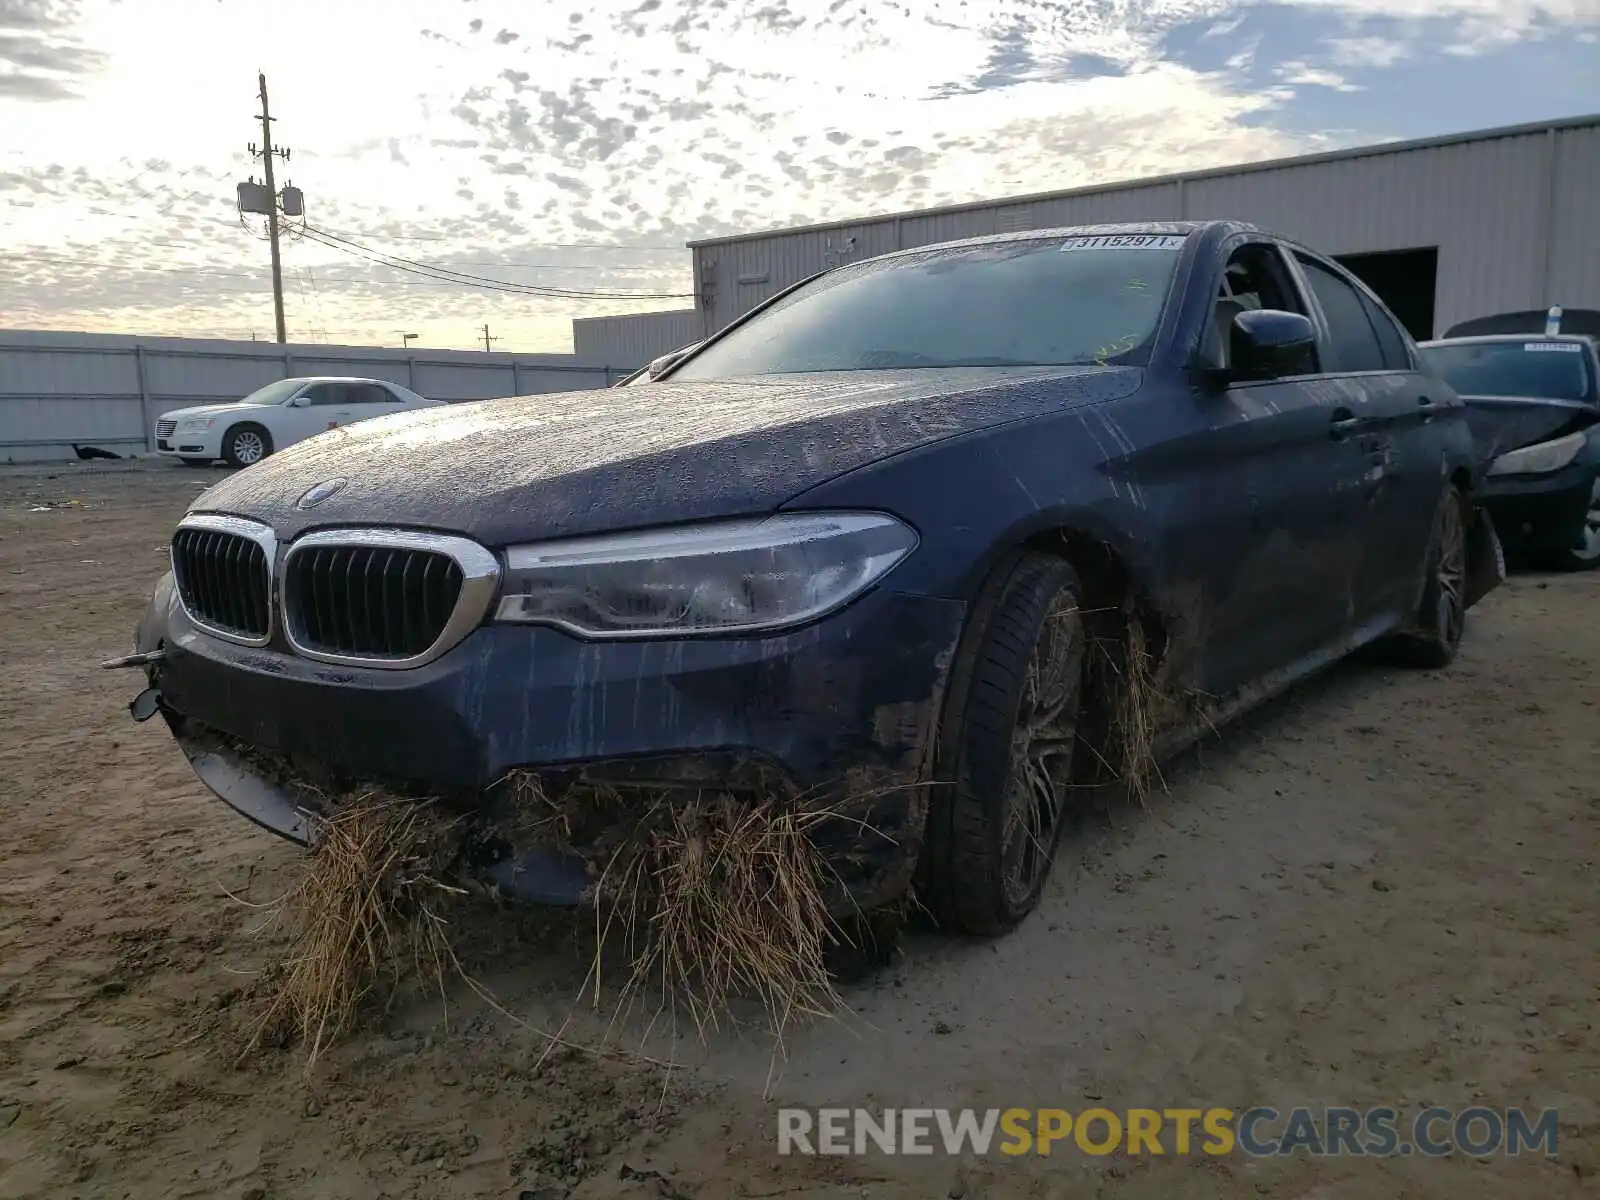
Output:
(895, 535)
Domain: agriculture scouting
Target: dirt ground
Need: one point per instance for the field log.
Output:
(1379, 890)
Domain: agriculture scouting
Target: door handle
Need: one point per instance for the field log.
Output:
(1344, 423)
(1425, 403)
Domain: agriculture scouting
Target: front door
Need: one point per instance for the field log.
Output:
(327, 407)
(1283, 450)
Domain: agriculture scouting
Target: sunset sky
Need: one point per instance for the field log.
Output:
(575, 148)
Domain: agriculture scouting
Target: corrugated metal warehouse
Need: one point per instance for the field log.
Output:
(631, 341)
(1444, 229)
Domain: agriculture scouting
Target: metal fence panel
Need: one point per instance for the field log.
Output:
(60, 390)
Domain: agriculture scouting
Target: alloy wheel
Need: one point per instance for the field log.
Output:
(248, 447)
(1450, 573)
(1042, 745)
(1588, 547)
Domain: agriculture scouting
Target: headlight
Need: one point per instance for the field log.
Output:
(1540, 458)
(197, 423)
(739, 576)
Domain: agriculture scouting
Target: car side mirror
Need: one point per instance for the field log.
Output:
(1268, 343)
(300, 402)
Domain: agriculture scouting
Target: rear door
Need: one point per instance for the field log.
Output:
(1402, 420)
(365, 400)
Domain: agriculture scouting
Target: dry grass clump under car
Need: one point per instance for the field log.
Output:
(711, 896)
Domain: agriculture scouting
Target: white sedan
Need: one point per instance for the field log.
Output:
(278, 415)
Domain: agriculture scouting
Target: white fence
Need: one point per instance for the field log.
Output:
(61, 390)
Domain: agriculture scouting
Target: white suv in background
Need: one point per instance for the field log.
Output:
(278, 415)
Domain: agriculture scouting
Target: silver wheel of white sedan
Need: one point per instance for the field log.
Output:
(246, 445)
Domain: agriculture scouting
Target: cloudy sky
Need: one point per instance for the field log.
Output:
(567, 150)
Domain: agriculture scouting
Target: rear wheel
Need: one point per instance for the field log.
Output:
(1441, 620)
(1584, 554)
(1007, 746)
(246, 444)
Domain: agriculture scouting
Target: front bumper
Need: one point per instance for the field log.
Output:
(183, 443)
(845, 706)
(1540, 511)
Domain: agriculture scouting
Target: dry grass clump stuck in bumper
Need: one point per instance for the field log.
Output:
(714, 897)
(368, 910)
(719, 898)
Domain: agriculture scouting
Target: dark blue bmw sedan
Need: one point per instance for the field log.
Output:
(955, 530)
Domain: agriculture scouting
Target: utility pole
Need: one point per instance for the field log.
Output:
(272, 210)
(487, 340)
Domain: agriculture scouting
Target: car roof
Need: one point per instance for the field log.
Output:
(341, 379)
(1581, 321)
(1479, 338)
(1121, 229)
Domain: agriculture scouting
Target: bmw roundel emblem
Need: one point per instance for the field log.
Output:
(316, 495)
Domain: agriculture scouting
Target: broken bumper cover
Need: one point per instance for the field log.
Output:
(1540, 511)
(851, 699)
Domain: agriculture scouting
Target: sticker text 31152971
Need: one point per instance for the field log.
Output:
(1127, 241)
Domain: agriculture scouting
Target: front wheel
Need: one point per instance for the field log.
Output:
(246, 444)
(1441, 619)
(1007, 747)
(1584, 553)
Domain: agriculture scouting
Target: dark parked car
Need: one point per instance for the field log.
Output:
(1534, 404)
(877, 537)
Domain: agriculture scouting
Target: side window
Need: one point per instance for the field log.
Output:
(371, 393)
(324, 395)
(1255, 277)
(1350, 333)
(1391, 341)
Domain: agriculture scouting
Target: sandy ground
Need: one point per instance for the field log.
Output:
(1381, 890)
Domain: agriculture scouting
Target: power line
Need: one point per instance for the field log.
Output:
(335, 241)
(450, 237)
(101, 262)
(445, 274)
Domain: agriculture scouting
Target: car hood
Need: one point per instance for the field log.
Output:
(208, 410)
(1504, 423)
(555, 465)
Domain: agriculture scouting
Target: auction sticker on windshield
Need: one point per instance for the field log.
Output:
(1561, 347)
(1127, 241)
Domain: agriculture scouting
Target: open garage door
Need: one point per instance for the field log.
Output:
(1404, 280)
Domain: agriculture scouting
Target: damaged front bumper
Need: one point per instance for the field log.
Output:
(1541, 512)
(843, 708)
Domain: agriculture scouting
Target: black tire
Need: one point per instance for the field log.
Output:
(1584, 552)
(1022, 657)
(245, 444)
(1441, 619)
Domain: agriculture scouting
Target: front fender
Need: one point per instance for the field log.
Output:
(152, 626)
(1486, 558)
